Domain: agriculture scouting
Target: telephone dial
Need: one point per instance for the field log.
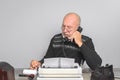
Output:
(67, 40)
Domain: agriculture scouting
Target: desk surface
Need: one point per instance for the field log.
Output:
(86, 75)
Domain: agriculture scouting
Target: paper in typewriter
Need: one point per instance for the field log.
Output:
(58, 62)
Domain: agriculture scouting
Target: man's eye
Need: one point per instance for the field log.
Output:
(69, 27)
(63, 26)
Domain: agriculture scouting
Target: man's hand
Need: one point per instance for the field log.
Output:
(77, 37)
(34, 64)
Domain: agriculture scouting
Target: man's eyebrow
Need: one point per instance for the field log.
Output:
(66, 26)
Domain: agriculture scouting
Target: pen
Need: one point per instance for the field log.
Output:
(24, 75)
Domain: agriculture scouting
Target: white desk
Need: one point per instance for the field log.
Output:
(86, 76)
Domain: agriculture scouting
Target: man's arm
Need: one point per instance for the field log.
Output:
(87, 49)
(92, 58)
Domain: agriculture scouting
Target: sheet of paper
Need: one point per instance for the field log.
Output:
(67, 62)
(51, 62)
(58, 62)
(28, 71)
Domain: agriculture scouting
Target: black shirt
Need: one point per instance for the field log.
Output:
(59, 47)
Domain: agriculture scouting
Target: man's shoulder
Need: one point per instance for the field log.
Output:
(57, 35)
(85, 38)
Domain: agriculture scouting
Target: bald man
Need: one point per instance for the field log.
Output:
(71, 44)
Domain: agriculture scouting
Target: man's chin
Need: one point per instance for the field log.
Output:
(66, 35)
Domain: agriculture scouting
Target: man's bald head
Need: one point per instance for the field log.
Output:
(70, 24)
(73, 16)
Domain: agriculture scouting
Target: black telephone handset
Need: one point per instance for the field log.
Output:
(79, 29)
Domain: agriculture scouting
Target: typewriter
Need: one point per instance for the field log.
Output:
(60, 68)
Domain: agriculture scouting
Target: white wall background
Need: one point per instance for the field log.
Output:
(26, 27)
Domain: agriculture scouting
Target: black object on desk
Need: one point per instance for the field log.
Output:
(24, 75)
(103, 73)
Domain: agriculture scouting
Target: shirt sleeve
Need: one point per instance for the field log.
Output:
(93, 60)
